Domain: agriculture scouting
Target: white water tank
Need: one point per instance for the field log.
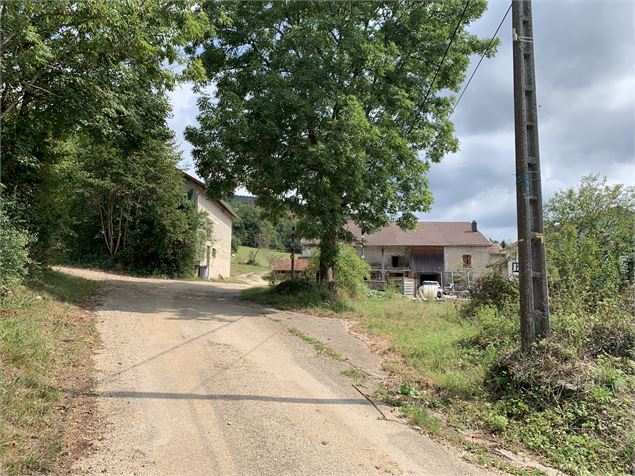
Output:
(430, 290)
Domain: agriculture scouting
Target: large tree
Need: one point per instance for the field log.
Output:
(69, 67)
(332, 110)
(589, 238)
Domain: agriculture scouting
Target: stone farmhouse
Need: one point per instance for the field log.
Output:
(446, 252)
(216, 259)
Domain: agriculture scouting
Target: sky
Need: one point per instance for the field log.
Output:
(585, 77)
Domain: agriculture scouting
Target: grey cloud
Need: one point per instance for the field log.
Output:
(585, 75)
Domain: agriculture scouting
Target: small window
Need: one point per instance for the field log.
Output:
(395, 261)
(213, 252)
(467, 261)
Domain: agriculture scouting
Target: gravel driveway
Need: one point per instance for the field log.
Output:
(192, 381)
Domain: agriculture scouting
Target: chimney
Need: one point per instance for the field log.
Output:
(474, 227)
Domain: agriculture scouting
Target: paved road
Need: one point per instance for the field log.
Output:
(192, 381)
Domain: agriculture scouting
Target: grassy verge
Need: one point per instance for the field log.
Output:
(45, 342)
(306, 298)
(572, 406)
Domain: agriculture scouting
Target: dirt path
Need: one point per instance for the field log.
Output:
(253, 279)
(192, 381)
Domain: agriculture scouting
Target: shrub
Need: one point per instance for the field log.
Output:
(492, 290)
(292, 287)
(295, 294)
(14, 243)
(497, 423)
(349, 272)
(495, 329)
(577, 411)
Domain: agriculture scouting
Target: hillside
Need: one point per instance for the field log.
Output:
(263, 259)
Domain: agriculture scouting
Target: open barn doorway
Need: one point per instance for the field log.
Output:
(430, 277)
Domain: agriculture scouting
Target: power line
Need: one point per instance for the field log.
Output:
(491, 41)
(458, 25)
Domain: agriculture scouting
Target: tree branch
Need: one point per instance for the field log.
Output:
(30, 83)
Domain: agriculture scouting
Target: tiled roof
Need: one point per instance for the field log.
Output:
(285, 264)
(496, 249)
(428, 233)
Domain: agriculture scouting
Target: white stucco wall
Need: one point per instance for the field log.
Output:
(453, 258)
(219, 265)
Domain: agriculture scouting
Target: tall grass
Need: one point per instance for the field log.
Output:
(428, 336)
(43, 338)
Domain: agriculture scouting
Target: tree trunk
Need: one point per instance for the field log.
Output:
(328, 254)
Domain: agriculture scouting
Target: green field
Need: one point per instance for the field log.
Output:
(264, 258)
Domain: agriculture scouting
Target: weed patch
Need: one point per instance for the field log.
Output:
(319, 346)
(354, 373)
(421, 417)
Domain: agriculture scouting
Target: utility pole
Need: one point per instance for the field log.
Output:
(293, 252)
(534, 305)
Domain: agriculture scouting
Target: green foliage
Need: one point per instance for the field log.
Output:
(14, 242)
(128, 207)
(573, 398)
(421, 417)
(497, 423)
(166, 239)
(321, 108)
(247, 229)
(253, 228)
(593, 219)
(87, 69)
(492, 290)
(409, 391)
(578, 412)
(496, 330)
(349, 272)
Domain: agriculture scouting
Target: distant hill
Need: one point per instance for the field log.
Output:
(244, 198)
